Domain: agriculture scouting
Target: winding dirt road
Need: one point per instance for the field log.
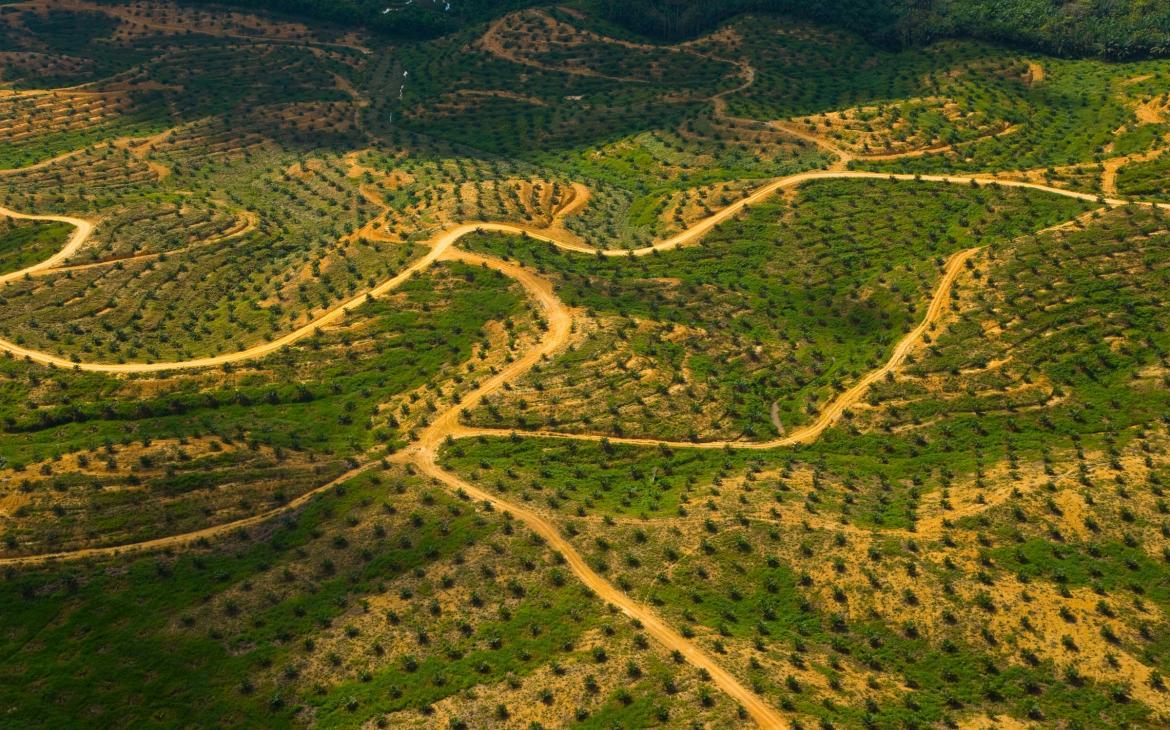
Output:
(445, 240)
(75, 242)
(424, 451)
(445, 426)
(764, 714)
(187, 538)
(806, 434)
(437, 245)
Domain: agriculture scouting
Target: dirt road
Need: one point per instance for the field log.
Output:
(424, 452)
(764, 714)
(187, 538)
(805, 434)
(445, 240)
(1111, 167)
(559, 319)
(438, 246)
(75, 242)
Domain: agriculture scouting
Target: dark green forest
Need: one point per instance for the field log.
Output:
(1104, 28)
(1116, 29)
(420, 19)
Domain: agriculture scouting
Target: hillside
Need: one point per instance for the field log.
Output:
(1121, 29)
(533, 374)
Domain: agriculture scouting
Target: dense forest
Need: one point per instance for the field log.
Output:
(417, 19)
(1106, 28)
(678, 19)
(1120, 29)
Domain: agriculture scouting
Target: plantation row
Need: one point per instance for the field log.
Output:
(980, 538)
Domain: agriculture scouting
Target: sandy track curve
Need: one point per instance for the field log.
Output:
(423, 452)
(445, 240)
(438, 246)
(559, 318)
(246, 222)
(186, 538)
(43, 163)
(844, 156)
(805, 434)
(75, 242)
(1111, 168)
(559, 321)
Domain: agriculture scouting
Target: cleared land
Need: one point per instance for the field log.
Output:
(260, 320)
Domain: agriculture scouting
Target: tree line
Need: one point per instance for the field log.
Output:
(1120, 29)
(418, 20)
(1115, 29)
